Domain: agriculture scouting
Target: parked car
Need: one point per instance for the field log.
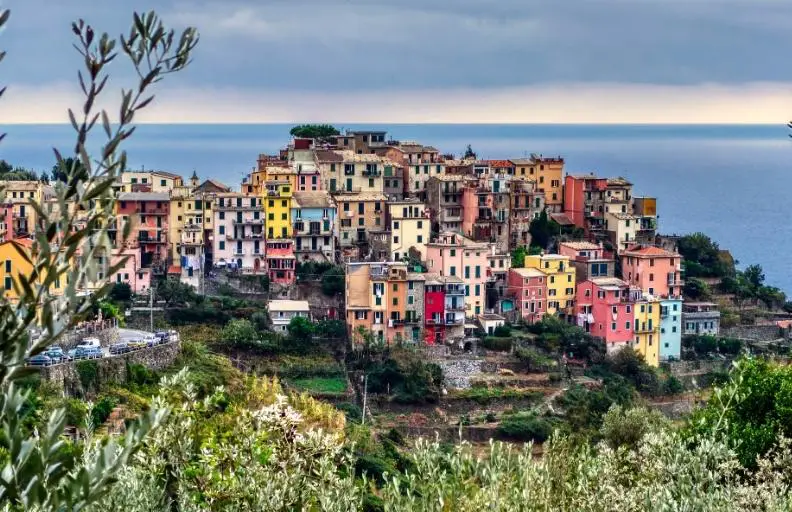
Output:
(90, 342)
(150, 340)
(136, 344)
(122, 347)
(55, 353)
(39, 360)
(162, 336)
(82, 352)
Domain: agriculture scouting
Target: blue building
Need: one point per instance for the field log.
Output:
(313, 216)
(670, 329)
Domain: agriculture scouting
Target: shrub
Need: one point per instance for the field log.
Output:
(673, 386)
(352, 411)
(525, 426)
(88, 372)
(502, 331)
(498, 344)
(532, 358)
(626, 428)
(333, 281)
(120, 292)
(102, 409)
(239, 331)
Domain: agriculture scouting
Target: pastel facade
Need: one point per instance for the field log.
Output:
(358, 214)
(560, 281)
(282, 312)
(238, 238)
(526, 204)
(409, 229)
(454, 255)
(547, 173)
(701, 318)
(647, 329)
(528, 288)
(656, 271)
(589, 259)
(150, 181)
(376, 300)
(414, 310)
(670, 329)
(19, 218)
(149, 216)
(277, 201)
(314, 217)
(281, 261)
(606, 309)
(444, 313)
(444, 198)
(132, 272)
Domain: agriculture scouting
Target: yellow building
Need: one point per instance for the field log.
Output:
(253, 184)
(409, 228)
(547, 173)
(154, 181)
(281, 173)
(277, 209)
(560, 282)
(19, 217)
(647, 330)
(12, 264)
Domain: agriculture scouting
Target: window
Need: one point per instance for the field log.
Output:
(420, 224)
(467, 272)
(643, 308)
(453, 252)
(420, 239)
(395, 301)
(222, 215)
(396, 225)
(629, 308)
(8, 283)
(452, 270)
(410, 299)
(222, 230)
(8, 266)
(478, 272)
(222, 245)
(271, 216)
(162, 183)
(478, 290)
(614, 310)
(467, 290)
(284, 216)
(673, 328)
(627, 325)
(552, 279)
(613, 326)
(651, 277)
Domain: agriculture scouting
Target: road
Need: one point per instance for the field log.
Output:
(123, 335)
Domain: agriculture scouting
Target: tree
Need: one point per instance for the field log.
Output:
(301, 330)
(469, 153)
(333, 329)
(771, 296)
(314, 131)
(518, 257)
(173, 291)
(754, 275)
(333, 281)
(9, 173)
(59, 170)
(702, 257)
(542, 231)
(44, 178)
(696, 289)
(120, 292)
(40, 472)
(627, 427)
(240, 331)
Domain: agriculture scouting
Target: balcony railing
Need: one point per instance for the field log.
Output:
(454, 321)
(455, 307)
(249, 221)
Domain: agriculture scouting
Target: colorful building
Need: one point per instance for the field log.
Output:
(647, 329)
(670, 329)
(376, 300)
(453, 255)
(526, 204)
(656, 271)
(589, 259)
(148, 213)
(13, 265)
(409, 226)
(528, 288)
(19, 218)
(277, 209)
(238, 238)
(444, 309)
(281, 262)
(414, 310)
(605, 309)
(548, 174)
(701, 318)
(149, 181)
(560, 281)
(444, 201)
(314, 217)
(358, 214)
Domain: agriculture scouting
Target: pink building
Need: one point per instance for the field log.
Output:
(606, 309)
(470, 205)
(238, 239)
(139, 279)
(281, 261)
(527, 286)
(589, 259)
(452, 254)
(148, 212)
(654, 270)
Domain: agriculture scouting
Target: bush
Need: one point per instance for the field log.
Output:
(352, 411)
(673, 386)
(525, 426)
(502, 331)
(202, 314)
(626, 428)
(533, 359)
(497, 344)
(333, 281)
(239, 332)
(102, 409)
(120, 292)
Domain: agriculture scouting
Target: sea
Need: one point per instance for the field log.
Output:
(732, 182)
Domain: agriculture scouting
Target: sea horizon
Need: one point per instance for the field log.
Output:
(729, 181)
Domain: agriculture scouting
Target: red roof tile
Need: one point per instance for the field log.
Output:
(650, 251)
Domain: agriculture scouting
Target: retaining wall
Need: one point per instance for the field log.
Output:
(753, 332)
(112, 369)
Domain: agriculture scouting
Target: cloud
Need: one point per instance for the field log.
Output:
(546, 103)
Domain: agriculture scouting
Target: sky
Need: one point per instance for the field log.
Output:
(411, 61)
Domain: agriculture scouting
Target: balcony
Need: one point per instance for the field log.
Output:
(372, 172)
(701, 315)
(644, 329)
(227, 207)
(447, 216)
(398, 321)
(245, 236)
(454, 321)
(254, 222)
(455, 307)
(239, 252)
(457, 290)
(157, 212)
(146, 240)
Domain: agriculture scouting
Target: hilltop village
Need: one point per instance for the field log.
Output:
(436, 250)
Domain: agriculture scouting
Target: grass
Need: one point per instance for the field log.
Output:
(484, 395)
(320, 384)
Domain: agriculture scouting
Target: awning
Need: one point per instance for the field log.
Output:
(471, 326)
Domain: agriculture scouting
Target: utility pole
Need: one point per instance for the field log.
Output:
(365, 395)
(151, 309)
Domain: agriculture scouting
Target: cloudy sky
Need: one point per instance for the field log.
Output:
(605, 61)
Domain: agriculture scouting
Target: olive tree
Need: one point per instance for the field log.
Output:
(36, 472)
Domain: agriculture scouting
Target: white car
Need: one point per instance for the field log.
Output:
(150, 340)
(90, 343)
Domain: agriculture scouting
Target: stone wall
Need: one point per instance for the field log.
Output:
(112, 369)
(457, 372)
(106, 337)
(678, 368)
(141, 320)
(753, 332)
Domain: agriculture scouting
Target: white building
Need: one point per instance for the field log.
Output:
(239, 233)
(282, 311)
(490, 321)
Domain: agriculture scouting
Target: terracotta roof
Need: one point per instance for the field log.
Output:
(561, 218)
(648, 251)
(500, 163)
(173, 269)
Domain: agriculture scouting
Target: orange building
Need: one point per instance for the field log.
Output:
(656, 271)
